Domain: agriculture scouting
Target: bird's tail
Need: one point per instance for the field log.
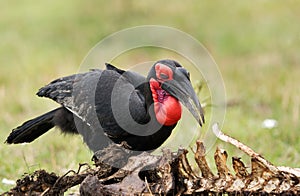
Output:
(32, 129)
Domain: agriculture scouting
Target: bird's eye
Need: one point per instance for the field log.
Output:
(164, 76)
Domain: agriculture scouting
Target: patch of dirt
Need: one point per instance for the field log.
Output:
(170, 173)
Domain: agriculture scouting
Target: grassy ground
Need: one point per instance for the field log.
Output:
(255, 44)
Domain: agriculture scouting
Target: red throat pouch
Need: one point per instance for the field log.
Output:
(166, 107)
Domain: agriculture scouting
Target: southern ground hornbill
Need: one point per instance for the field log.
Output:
(113, 105)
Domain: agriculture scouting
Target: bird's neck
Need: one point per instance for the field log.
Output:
(166, 108)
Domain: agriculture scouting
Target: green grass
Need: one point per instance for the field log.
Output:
(255, 44)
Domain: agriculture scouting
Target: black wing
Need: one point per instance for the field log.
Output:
(76, 93)
(90, 96)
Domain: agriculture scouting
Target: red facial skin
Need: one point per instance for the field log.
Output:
(166, 107)
(163, 70)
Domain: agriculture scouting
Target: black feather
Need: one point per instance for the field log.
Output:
(32, 129)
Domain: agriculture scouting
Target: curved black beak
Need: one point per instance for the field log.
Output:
(181, 88)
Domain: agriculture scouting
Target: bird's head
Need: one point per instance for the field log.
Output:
(170, 84)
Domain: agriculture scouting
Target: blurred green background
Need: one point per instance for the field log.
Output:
(255, 44)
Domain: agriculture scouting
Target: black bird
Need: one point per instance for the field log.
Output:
(114, 105)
